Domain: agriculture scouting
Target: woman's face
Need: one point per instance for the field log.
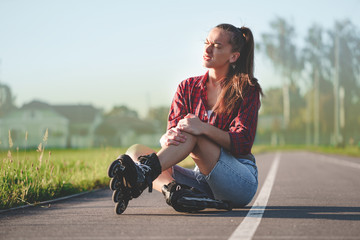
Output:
(218, 50)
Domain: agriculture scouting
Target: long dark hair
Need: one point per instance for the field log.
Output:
(241, 73)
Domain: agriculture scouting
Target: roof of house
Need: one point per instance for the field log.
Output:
(74, 113)
(35, 104)
(78, 113)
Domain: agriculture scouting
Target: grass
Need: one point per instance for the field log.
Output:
(29, 177)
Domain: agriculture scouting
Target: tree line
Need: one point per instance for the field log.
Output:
(326, 109)
(317, 104)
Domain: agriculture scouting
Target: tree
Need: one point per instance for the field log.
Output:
(313, 54)
(279, 48)
(119, 123)
(270, 121)
(6, 100)
(122, 111)
(344, 60)
(159, 116)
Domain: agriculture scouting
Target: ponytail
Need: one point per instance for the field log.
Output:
(246, 59)
(241, 73)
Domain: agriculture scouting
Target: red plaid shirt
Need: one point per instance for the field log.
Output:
(191, 97)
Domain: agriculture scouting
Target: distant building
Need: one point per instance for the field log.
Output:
(83, 120)
(68, 125)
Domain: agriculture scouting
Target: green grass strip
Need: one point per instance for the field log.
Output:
(29, 177)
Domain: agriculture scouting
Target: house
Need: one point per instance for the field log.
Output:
(28, 125)
(83, 120)
(68, 125)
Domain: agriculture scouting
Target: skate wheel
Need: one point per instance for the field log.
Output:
(112, 168)
(117, 195)
(121, 206)
(228, 205)
(114, 184)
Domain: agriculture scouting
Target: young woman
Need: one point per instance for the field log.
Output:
(213, 118)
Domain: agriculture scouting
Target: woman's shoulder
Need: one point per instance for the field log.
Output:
(194, 81)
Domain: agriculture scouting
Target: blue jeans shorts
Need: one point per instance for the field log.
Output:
(232, 179)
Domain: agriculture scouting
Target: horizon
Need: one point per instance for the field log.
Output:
(135, 54)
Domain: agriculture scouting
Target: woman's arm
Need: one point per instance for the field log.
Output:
(193, 125)
(178, 110)
(173, 136)
(241, 135)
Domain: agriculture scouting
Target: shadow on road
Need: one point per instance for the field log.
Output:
(205, 213)
(290, 212)
(313, 212)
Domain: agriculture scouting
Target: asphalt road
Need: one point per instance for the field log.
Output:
(305, 196)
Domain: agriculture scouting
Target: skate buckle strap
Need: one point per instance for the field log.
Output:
(145, 168)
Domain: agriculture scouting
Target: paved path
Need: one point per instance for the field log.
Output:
(306, 196)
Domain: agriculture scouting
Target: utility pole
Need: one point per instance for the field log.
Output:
(2, 93)
(316, 108)
(308, 120)
(0, 71)
(342, 112)
(336, 91)
(286, 99)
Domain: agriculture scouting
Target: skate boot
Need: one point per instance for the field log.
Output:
(130, 179)
(187, 199)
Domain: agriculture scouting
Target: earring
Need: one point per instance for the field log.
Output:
(233, 66)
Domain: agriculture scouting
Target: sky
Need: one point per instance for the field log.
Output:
(112, 52)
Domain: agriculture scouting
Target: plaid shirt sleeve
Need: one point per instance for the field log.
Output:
(178, 109)
(241, 126)
(242, 129)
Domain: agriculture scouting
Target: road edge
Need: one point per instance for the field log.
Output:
(50, 201)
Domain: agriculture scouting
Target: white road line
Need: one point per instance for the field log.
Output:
(337, 161)
(247, 228)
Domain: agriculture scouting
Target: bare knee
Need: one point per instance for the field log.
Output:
(202, 143)
(206, 153)
(137, 150)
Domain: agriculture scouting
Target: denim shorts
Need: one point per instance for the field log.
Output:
(232, 179)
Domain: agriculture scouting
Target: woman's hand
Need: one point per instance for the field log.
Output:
(172, 136)
(191, 124)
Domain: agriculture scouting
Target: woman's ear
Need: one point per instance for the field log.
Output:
(234, 57)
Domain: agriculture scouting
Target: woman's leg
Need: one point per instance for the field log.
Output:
(204, 152)
(164, 178)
